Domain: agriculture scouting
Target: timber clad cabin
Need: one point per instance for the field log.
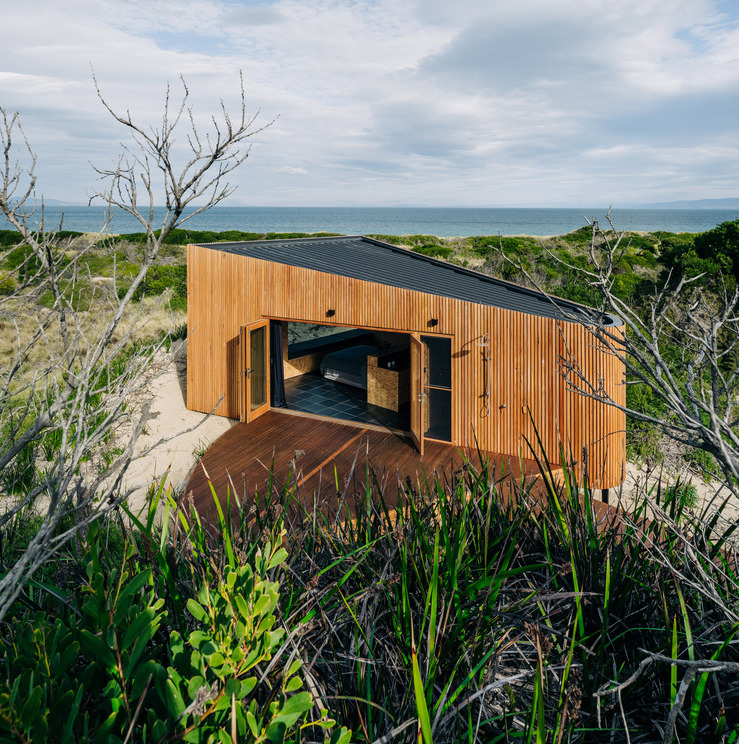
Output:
(362, 331)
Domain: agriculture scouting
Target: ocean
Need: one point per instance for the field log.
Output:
(440, 221)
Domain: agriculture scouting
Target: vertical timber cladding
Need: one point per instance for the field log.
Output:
(528, 394)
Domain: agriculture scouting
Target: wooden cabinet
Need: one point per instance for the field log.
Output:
(387, 388)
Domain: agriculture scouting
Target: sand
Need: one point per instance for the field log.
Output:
(710, 495)
(174, 460)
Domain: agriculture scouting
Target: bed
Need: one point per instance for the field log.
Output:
(349, 365)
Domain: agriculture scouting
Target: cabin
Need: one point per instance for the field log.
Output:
(361, 331)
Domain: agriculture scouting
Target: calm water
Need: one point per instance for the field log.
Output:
(444, 222)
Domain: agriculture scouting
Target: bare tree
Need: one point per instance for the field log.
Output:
(680, 344)
(67, 388)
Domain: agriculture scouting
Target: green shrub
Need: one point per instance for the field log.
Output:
(9, 238)
(645, 259)
(23, 260)
(433, 250)
(720, 244)
(686, 495)
(518, 245)
(474, 606)
(79, 295)
(704, 462)
(107, 665)
(96, 263)
(7, 285)
(181, 236)
(641, 243)
(160, 278)
(671, 241)
(581, 236)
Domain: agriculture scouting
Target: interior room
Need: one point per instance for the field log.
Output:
(352, 374)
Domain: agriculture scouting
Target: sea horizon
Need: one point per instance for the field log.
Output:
(439, 221)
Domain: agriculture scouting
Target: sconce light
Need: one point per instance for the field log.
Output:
(433, 322)
(330, 313)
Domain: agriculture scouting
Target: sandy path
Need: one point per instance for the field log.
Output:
(172, 460)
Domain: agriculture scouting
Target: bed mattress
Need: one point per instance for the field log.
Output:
(349, 365)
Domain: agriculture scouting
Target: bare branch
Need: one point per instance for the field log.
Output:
(66, 391)
(678, 346)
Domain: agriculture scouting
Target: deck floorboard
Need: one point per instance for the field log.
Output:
(318, 454)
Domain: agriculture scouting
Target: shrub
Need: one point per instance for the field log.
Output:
(9, 238)
(78, 294)
(180, 236)
(474, 609)
(642, 243)
(7, 285)
(121, 659)
(686, 495)
(160, 278)
(433, 250)
(581, 236)
(703, 462)
(720, 244)
(23, 260)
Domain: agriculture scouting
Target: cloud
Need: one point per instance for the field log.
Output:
(397, 101)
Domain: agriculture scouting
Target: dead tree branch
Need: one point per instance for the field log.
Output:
(68, 420)
(679, 346)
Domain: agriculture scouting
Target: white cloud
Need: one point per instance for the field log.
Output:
(397, 101)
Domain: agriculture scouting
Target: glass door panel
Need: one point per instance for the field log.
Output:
(258, 367)
(437, 387)
(417, 394)
(439, 419)
(254, 370)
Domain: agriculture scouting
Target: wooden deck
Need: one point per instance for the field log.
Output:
(323, 457)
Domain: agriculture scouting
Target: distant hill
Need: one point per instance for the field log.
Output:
(730, 203)
(62, 203)
(55, 202)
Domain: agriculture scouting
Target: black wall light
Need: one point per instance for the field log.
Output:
(433, 322)
(330, 313)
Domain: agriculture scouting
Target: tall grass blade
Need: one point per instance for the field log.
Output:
(421, 707)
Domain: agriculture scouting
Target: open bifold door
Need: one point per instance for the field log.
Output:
(254, 358)
(418, 395)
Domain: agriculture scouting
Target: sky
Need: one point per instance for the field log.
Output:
(532, 103)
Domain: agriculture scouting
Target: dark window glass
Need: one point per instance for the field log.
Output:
(258, 341)
(439, 361)
(439, 414)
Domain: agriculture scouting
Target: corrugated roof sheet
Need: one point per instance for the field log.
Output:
(373, 261)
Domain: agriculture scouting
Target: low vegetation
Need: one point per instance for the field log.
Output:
(475, 613)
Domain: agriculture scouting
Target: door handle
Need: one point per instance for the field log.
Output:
(247, 372)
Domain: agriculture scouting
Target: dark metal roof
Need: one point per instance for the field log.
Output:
(365, 258)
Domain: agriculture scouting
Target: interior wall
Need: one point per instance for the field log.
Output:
(300, 365)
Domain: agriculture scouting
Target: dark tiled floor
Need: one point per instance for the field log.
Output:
(316, 394)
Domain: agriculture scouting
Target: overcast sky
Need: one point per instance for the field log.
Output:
(398, 102)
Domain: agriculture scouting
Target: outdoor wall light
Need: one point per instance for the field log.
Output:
(330, 313)
(433, 322)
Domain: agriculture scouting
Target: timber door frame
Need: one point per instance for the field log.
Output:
(245, 361)
(418, 394)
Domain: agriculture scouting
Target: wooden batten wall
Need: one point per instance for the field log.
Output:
(226, 291)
